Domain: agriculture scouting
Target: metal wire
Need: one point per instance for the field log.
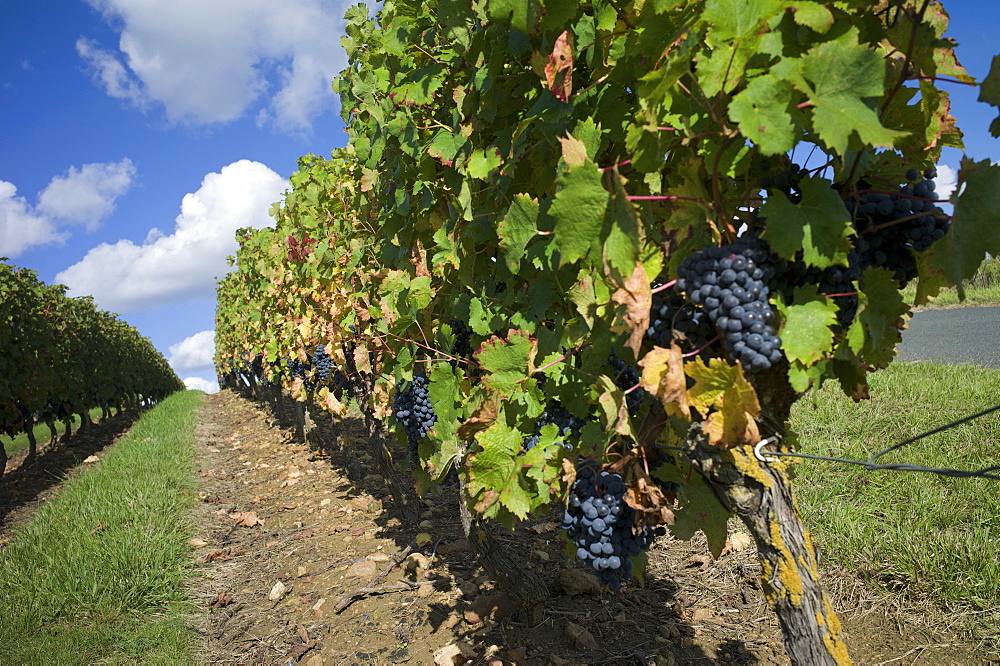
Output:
(870, 464)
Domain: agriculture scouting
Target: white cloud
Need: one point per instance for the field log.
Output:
(209, 62)
(199, 384)
(181, 265)
(86, 195)
(110, 73)
(196, 351)
(21, 227)
(946, 181)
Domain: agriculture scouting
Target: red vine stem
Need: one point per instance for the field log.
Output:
(562, 358)
(702, 348)
(663, 287)
(657, 197)
(846, 293)
(620, 164)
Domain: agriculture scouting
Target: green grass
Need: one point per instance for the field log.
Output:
(918, 532)
(42, 433)
(98, 575)
(983, 290)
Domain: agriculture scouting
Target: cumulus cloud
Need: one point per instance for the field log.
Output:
(210, 62)
(21, 228)
(183, 264)
(199, 384)
(86, 195)
(946, 181)
(193, 352)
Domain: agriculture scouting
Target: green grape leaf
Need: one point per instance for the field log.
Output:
(445, 146)
(736, 19)
(494, 473)
(621, 249)
(442, 389)
(819, 225)
(975, 227)
(484, 162)
(507, 362)
(989, 92)
(881, 313)
(761, 110)
(701, 510)
(811, 14)
(843, 73)
(806, 336)
(516, 230)
(578, 211)
(522, 15)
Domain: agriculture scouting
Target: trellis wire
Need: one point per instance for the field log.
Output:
(871, 465)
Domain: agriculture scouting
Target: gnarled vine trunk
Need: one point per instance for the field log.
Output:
(761, 495)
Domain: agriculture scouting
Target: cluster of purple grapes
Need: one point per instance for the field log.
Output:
(599, 523)
(626, 377)
(730, 284)
(890, 227)
(569, 426)
(413, 409)
(299, 370)
(672, 317)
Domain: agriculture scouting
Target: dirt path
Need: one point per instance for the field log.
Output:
(288, 537)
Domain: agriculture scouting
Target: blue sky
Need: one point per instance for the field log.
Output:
(136, 136)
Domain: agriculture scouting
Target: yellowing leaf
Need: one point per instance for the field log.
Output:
(721, 390)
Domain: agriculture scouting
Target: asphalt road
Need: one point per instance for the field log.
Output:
(959, 335)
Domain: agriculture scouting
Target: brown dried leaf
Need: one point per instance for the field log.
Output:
(637, 299)
(198, 543)
(651, 506)
(481, 419)
(559, 69)
(542, 528)
(663, 377)
(246, 519)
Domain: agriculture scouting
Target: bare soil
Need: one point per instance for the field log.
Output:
(292, 533)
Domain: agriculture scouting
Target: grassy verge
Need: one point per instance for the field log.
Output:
(983, 290)
(975, 297)
(97, 577)
(42, 433)
(909, 531)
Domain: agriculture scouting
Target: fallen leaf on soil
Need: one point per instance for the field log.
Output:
(303, 634)
(304, 535)
(583, 638)
(423, 539)
(454, 653)
(699, 560)
(91, 459)
(542, 528)
(286, 507)
(358, 532)
(738, 542)
(702, 614)
(247, 518)
(338, 528)
(222, 599)
(198, 543)
(271, 544)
